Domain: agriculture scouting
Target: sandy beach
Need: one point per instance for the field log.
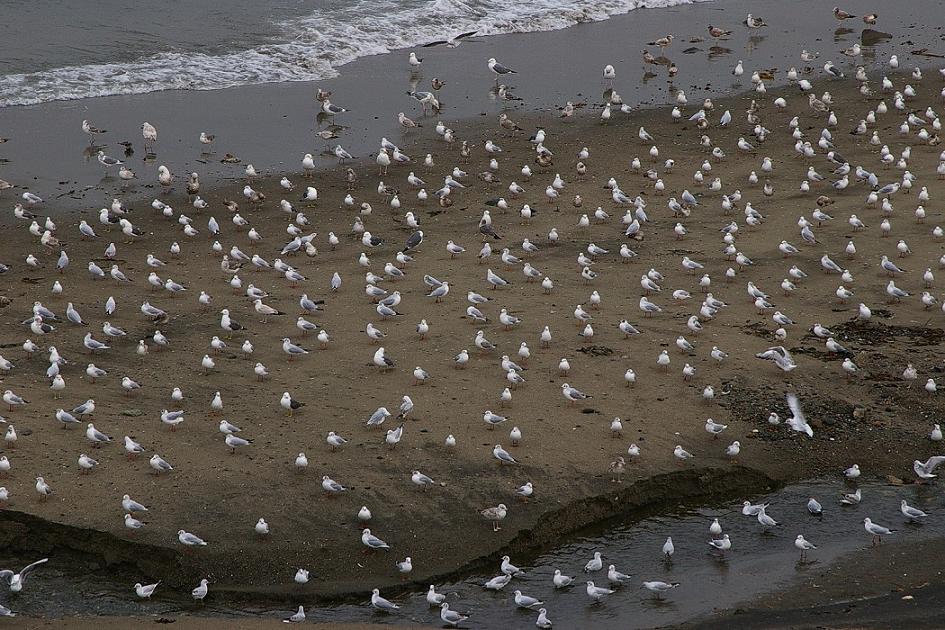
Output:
(875, 418)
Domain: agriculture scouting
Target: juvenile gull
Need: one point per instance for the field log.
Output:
(495, 514)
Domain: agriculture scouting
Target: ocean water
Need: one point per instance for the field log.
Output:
(75, 49)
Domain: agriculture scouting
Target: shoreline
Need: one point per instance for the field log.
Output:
(321, 532)
(62, 173)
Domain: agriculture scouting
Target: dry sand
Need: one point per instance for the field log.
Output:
(566, 449)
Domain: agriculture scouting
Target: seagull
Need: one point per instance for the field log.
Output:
(145, 592)
(498, 69)
(714, 428)
(12, 400)
(190, 540)
(371, 541)
(498, 583)
(331, 486)
(779, 356)
(235, 442)
(65, 418)
(803, 545)
(91, 130)
(851, 498)
(924, 470)
(298, 617)
(597, 593)
(159, 465)
(594, 564)
(292, 349)
(754, 22)
(290, 404)
(451, 617)
(502, 455)
(814, 507)
(616, 577)
(876, 531)
(413, 241)
(451, 42)
(669, 549)
(95, 436)
(682, 454)
(659, 587)
(797, 420)
(573, 394)
(331, 109)
(841, 14)
(172, 418)
(16, 581)
(200, 592)
(382, 360)
(721, 544)
(831, 69)
(496, 514)
(911, 513)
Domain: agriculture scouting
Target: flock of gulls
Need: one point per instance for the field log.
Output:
(883, 179)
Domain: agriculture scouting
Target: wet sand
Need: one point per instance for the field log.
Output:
(188, 623)
(875, 420)
(272, 125)
(894, 586)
